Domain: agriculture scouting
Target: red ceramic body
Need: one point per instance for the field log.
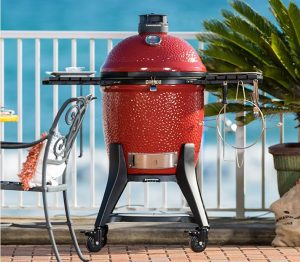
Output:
(153, 122)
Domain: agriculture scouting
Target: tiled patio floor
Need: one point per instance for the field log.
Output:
(116, 253)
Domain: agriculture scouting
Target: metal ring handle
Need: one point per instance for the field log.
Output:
(261, 133)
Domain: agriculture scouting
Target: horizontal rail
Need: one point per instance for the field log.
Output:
(92, 209)
(6, 34)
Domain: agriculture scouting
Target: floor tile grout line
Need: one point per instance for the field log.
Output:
(167, 254)
(147, 252)
(241, 250)
(224, 252)
(278, 249)
(13, 253)
(264, 254)
(32, 254)
(128, 254)
(109, 254)
(186, 254)
(205, 253)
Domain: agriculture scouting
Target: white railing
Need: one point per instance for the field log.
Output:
(91, 186)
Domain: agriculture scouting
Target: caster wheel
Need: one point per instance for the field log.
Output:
(104, 235)
(97, 239)
(196, 244)
(92, 245)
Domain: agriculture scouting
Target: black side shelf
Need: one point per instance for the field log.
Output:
(65, 80)
(230, 78)
(206, 79)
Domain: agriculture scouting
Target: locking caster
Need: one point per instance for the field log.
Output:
(199, 239)
(96, 239)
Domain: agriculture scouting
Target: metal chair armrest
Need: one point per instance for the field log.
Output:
(19, 145)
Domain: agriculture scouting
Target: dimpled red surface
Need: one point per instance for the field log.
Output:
(153, 122)
(133, 55)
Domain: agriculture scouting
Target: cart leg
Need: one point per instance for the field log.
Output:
(117, 180)
(187, 181)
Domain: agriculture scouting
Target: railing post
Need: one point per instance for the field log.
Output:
(20, 105)
(146, 195)
(299, 131)
(37, 94)
(74, 151)
(281, 128)
(1, 125)
(164, 188)
(199, 167)
(55, 94)
(240, 169)
(219, 146)
(263, 165)
(92, 128)
(109, 45)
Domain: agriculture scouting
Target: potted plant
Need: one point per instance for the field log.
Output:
(246, 41)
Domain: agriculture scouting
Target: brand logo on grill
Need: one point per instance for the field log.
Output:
(152, 82)
(151, 180)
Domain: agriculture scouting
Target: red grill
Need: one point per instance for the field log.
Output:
(152, 120)
(153, 87)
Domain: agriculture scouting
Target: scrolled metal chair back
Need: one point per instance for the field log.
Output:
(72, 112)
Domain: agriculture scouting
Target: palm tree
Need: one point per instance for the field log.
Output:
(247, 41)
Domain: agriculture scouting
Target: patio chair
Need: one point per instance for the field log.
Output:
(69, 117)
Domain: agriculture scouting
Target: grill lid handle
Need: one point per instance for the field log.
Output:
(153, 23)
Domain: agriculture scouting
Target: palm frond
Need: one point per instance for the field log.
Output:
(247, 41)
(282, 53)
(267, 111)
(260, 22)
(213, 109)
(216, 65)
(243, 27)
(251, 33)
(220, 29)
(228, 56)
(232, 90)
(281, 14)
(278, 75)
(294, 14)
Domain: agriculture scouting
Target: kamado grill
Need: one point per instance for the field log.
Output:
(153, 110)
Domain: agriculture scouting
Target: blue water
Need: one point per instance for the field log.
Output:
(107, 15)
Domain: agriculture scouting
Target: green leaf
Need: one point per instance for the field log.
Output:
(220, 29)
(282, 16)
(227, 55)
(216, 65)
(282, 53)
(247, 30)
(251, 33)
(294, 13)
(260, 22)
(267, 111)
(207, 37)
(214, 109)
(277, 75)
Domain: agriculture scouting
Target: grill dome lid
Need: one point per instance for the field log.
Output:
(152, 52)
